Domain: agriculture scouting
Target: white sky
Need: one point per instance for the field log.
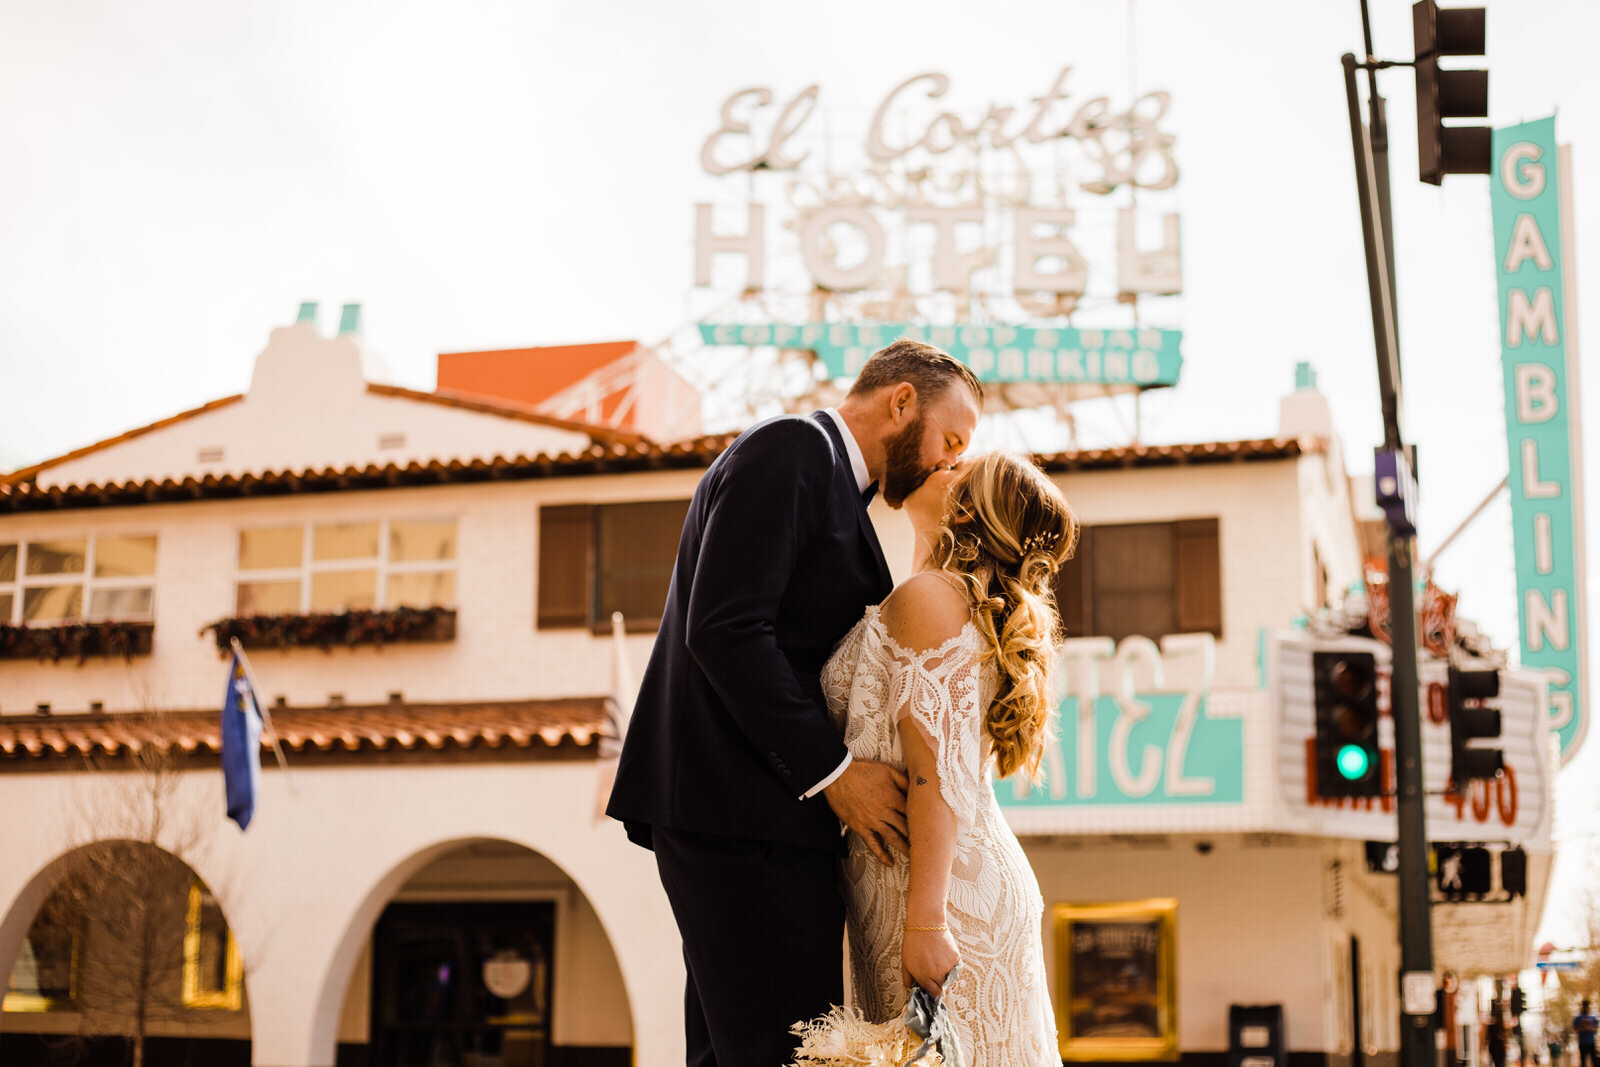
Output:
(177, 176)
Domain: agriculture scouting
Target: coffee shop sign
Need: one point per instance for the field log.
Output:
(926, 163)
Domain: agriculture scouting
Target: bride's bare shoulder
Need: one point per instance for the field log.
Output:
(926, 610)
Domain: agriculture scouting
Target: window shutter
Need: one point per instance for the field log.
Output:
(1198, 563)
(566, 565)
(1071, 591)
(1131, 580)
(638, 549)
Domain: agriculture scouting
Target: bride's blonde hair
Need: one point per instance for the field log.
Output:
(1005, 532)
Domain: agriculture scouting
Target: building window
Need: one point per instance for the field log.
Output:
(1151, 579)
(213, 973)
(73, 579)
(346, 566)
(45, 974)
(595, 559)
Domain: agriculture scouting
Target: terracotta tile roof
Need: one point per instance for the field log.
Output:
(599, 459)
(24, 474)
(509, 409)
(504, 409)
(527, 729)
(1168, 455)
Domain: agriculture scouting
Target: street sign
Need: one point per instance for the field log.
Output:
(1416, 989)
(1396, 490)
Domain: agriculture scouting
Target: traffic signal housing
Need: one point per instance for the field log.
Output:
(1514, 872)
(1345, 693)
(1461, 872)
(1472, 720)
(1449, 94)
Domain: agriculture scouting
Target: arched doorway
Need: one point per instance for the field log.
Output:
(485, 953)
(122, 954)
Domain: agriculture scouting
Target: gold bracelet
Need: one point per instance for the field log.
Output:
(941, 928)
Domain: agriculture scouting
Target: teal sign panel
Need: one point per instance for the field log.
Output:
(1172, 753)
(1038, 354)
(1541, 390)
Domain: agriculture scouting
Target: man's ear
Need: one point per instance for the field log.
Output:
(902, 403)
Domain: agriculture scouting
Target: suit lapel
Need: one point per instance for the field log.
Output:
(868, 532)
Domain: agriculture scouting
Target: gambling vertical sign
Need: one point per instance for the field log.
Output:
(1530, 186)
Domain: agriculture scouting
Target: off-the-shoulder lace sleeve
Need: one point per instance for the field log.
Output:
(938, 690)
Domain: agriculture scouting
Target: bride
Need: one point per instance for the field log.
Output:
(949, 677)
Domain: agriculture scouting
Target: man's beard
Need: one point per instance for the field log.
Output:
(903, 470)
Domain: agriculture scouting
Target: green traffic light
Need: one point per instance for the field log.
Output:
(1353, 763)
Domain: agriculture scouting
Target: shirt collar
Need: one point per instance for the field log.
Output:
(858, 462)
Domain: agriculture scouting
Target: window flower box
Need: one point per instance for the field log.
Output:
(327, 630)
(79, 640)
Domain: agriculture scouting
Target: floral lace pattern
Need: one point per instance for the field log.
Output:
(1000, 997)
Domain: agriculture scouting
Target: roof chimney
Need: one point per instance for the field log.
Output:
(350, 320)
(1304, 413)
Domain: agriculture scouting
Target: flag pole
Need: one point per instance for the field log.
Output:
(610, 748)
(261, 709)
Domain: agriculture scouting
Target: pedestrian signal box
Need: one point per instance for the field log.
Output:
(1462, 872)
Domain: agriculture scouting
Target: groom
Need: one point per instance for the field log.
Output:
(732, 770)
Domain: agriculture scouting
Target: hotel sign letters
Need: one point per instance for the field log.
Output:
(1513, 807)
(977, 205)
(1128, 738)
(995, 353)
(1528, 185)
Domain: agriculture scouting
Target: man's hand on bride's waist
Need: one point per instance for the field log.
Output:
(870, 799)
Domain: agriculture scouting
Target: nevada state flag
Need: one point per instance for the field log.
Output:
(241, 745)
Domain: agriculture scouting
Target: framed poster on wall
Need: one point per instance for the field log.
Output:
(1116, 980)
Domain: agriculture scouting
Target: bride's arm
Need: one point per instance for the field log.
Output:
(923, 614)
(927, 954)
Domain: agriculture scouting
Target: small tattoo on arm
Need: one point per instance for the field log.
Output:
(921, 780)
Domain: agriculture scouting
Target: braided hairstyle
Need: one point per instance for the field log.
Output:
(1006, 531)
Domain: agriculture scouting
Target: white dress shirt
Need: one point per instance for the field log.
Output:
(858, 466)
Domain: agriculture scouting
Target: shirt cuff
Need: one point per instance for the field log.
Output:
(826, 782)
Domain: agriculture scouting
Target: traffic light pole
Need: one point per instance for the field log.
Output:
(1377, 112)
(1416, 932)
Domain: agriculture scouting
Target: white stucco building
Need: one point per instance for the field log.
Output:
(432, 877)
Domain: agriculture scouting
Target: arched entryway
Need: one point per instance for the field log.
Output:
(487, 952)
(119, 951)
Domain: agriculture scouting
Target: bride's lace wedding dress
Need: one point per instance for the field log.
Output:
(999, 996)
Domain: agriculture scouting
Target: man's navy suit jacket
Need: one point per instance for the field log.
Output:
(776, 563)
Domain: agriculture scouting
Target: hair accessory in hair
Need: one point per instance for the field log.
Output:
(1040, 542)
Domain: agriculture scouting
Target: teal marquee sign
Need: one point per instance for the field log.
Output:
(1529, 184)
(1169, 752)
(1033, 354)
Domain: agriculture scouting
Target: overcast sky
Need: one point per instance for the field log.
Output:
(177, 177)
